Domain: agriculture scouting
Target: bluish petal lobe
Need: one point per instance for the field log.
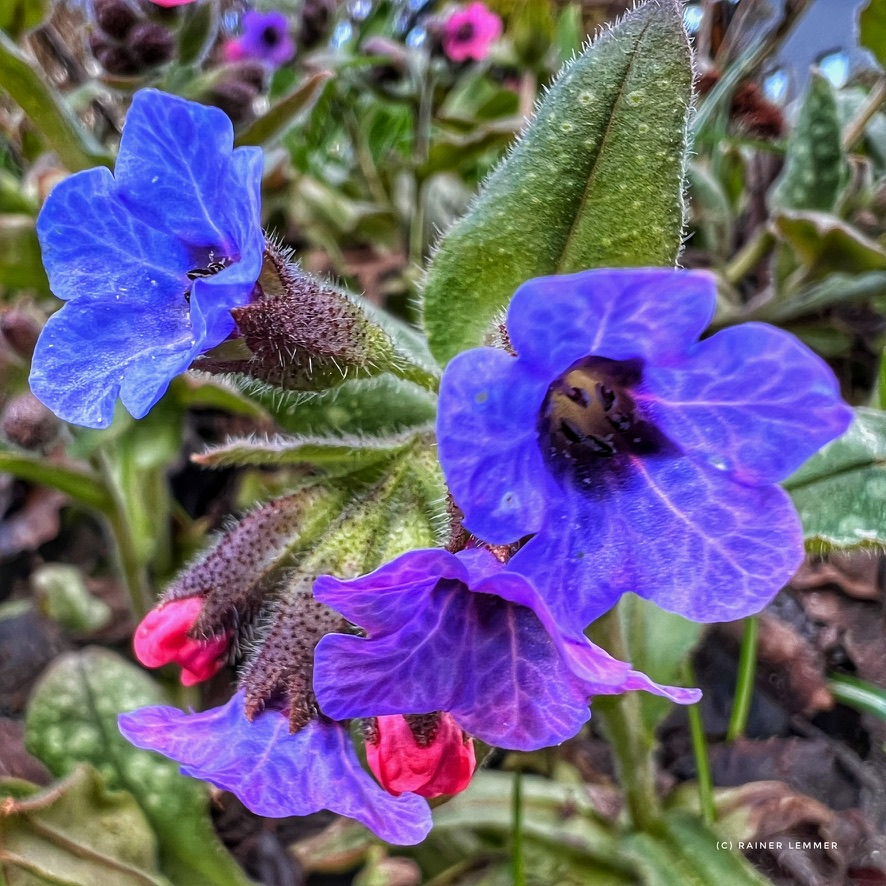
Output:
(275, 773)
(488, 443)
(92, 246)
(490, 655)
(751, 400)
(172, 166)
(685, 536)
(619, 314)
(90, 352)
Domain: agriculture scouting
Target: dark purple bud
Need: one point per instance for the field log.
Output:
(235, 97)
(115, 17)
(316, 20)
(116, 60)
(20, 330)
(151, 44)
(28, 423)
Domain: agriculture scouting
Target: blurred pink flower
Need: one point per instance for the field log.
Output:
(169, 4)
(470, 32)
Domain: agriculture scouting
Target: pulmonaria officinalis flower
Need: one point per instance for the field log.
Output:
(150, 260)
(638, 458)
(274, 772)
(163, 637)
(457, 633)
(428, 755)
(469, 33)
(265, 38)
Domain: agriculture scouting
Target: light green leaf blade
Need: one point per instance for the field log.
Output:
(72, 718)
(815, 167)
(872, 29)
(840, 492)
(596, 181)
(76, 832)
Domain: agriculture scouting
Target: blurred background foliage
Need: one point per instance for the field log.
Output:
(375, 143)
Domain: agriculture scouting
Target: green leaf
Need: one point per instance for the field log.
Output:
(840, 492)
(76, 833)
(658, 644)
(72, 718)
(80, 484)
(21, 262)
(835, 289)
(596, 181)
(378, 406)
(872, 29)
(18, 16)
(331, 455)
(281, 116)
(76, 148)
(63, 595)
(815, 167)
(859, 694)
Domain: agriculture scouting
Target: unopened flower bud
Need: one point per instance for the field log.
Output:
(28, 423)
(115, 58)
(316, 18)
(164, 637)
(115, 17)
(428, 754)
(21, 331)
(236, 91)
(151, 44)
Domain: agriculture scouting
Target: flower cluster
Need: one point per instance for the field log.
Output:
(603, 449)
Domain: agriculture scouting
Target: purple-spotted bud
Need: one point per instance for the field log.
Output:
(115, 17)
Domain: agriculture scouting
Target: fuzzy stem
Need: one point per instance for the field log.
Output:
(750, 255)
(744, 687)
(519, 868)
(702, 759)
(857, 125)
(629, 739)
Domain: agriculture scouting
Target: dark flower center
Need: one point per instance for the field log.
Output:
(589, 415)
(464, 32)
(270, 36)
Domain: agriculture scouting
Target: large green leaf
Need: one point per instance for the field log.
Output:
(596, 181)
(76, 833)
(815, 168)
(72, 718)
(872, 29)
(841, 492)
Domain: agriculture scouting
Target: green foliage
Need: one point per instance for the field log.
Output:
(65, 598)
(18, 16)
(840, 492)
(76, 833)
(596, 181)
(72, 719)
(872, 29)
(860, 694)
(815, 167)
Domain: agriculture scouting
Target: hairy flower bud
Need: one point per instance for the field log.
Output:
(426, 754)
(21, 331)
(164, 637)
(28, 423)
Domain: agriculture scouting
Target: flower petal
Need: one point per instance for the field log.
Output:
(687, 537)
(619, 314)
(751, 400)
(274, 772)
(488, 443)
(490, 655)
(173, 165)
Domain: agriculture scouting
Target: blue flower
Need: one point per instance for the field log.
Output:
(274, 772)
(150, 260)
(459, 634)
(636, 457)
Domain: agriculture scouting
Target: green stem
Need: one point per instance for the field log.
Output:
(519, 877)
(744, 687)
(750, 255)
(702, 759)
(117, 519)
(857, 125)
(629, 739)
(74, 145)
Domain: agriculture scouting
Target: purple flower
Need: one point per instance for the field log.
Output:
(265, 38)
(150, 260)
(274, 772)
(637, 458)
(457, 633)
(469, 33)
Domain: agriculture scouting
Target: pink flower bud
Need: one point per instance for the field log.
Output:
(162, 638)
(425, 755)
